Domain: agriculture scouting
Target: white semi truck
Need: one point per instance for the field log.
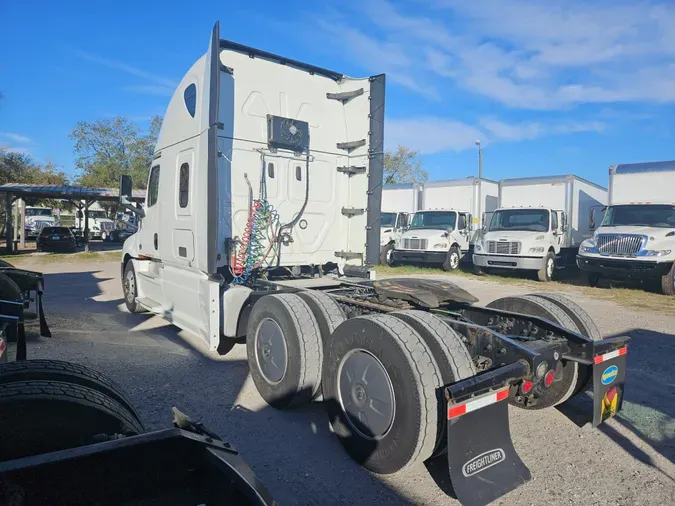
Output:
(636, 237)
(540, 223)
(445, 231)
(262, 214)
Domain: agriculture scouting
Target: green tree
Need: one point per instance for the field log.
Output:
(403, 166)
(107, 149)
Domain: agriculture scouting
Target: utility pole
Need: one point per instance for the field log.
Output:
(480, 185)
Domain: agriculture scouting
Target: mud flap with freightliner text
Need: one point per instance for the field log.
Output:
(483, 463)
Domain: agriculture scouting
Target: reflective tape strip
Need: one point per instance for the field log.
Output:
(599, 359)
(2, 345)
(479, 402)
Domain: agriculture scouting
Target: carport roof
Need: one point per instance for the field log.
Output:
(66, 192)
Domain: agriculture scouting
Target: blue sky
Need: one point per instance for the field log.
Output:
(548, 87)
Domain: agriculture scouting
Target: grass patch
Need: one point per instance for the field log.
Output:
(637, 299)
(54, 258)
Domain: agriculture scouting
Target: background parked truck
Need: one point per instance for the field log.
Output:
(540, 223)
(444, 232)
(636, 236)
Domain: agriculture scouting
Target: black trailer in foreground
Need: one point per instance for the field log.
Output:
(69, 435)
(410, 369)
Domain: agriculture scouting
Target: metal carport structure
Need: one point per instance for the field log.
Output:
(74, 194)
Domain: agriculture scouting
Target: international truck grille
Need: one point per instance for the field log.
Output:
(626, 245)
(415, 243)
(503, 247)
(106, 225)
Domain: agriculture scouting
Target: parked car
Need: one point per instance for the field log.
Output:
(56, 238)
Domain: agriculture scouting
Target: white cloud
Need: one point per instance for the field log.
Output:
(16, 137)
(14, 149)
(430, 135)
(523, 54)
(128, 69)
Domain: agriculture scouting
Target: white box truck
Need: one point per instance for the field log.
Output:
(262, 213)
(636, 236)
(446, 228)
(539, 225)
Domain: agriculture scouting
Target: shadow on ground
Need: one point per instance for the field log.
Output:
(293, 452)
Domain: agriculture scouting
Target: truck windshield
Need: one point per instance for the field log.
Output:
(439, 220)
(533, 220)
(646, 215)
(97, 215)
(387, 219)
(38, 212)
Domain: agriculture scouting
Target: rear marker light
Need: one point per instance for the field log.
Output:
(548, 379)
(599, 359)
(526, 387)
(477, 403)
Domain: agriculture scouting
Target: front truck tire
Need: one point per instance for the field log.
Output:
(545, 274)
(453, 259)
(386, 253)
(284, 350)
(567, 376)
(130, 288)
(379, 388)
(668, 282)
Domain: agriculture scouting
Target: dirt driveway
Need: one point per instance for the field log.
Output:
(629, 461)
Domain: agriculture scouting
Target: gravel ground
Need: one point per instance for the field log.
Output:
(628, 461)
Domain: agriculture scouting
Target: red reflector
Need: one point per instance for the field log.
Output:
(457, 411)
(526, 387)
(502, 394)
(548, 379)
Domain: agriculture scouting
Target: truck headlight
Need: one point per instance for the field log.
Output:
(478, 247)
(588, 246)
(440, 245)
(655, 253)
(538, 249)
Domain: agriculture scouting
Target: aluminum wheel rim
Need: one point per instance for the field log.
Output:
(129, 286)
(549, 267)
(366, 394)
(270, 351)
(454, 260)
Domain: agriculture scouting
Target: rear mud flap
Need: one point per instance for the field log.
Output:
(609, 376)
(483, 463)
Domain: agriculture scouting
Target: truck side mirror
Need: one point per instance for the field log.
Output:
(591, 219)
(125, 189)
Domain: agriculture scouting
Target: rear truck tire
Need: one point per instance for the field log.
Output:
(45, 416)
(668, 282)
(567, 374)
(448, 350)
(328, 313)
(130, 289)
(76, 374)
(284, 350)
(545, 274)
(386, 252)
(586, 326)
(594, 279)
(379, 389)
(452, 260)
(9, 290)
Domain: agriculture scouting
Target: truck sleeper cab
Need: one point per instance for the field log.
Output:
(243, 236)
(435, 237)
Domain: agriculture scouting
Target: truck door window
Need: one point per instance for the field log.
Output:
(153, 186)
(462, 222)
(184, 185)
(554, 221)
